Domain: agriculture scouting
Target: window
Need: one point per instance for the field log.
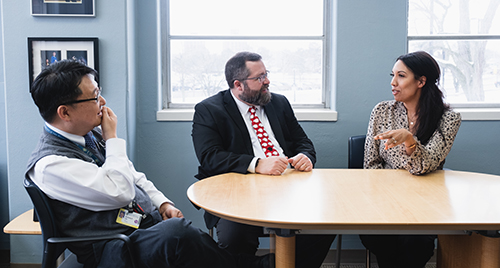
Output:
(464, 37)
(199, 36)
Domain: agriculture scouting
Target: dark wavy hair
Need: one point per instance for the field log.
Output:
(431, 106)
(57, 84)
(236, 68)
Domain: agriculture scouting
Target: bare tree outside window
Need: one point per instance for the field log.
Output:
(464, 36)
(198, 68)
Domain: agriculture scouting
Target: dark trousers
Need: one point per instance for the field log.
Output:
(240, 238)
(171, 243)
(395, 251)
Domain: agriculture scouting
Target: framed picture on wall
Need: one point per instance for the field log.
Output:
(45, 51)
(63, 8)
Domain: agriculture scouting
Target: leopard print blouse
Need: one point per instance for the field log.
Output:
(390, 115)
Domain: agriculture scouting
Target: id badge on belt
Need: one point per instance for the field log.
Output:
(132, 216)
(129, 218)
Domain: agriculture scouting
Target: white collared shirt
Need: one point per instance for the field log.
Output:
(72, 137)
(86, 185)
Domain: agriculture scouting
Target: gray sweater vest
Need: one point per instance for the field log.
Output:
(76, 221)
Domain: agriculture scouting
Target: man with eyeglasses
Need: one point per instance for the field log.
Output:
(94, 189)
(248, 129)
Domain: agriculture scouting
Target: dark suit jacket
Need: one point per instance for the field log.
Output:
(222, 142)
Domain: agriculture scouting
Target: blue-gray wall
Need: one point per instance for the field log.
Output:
(370, 35)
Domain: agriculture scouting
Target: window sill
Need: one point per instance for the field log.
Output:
(301, 114)
(479, 114)
(468, 114)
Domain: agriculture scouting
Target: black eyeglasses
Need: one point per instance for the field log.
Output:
(261, 78)
(96, 99)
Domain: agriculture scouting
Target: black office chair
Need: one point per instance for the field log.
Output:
(356, 153)
(55, 245)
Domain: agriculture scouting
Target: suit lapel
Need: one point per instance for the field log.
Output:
(234, 113)
(270, 111)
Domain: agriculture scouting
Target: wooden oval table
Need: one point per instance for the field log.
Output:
(360, 201)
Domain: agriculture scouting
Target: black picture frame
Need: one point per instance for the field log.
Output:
(43, 51)
(84, 8)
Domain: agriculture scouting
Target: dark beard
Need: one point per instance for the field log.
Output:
(257, 98)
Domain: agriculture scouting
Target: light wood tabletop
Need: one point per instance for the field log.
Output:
(23, 224)
(355, 201)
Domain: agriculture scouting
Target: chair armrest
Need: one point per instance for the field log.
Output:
(58, 240)
(124, 238)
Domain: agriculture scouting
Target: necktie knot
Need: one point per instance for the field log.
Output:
(252, 110)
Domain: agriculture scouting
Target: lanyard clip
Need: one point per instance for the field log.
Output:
(137, 208)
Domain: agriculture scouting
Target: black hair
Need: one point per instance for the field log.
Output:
(431, 106)
(236, 68)
(58, 83)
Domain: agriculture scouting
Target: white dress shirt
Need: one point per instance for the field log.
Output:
(258, 152)
(86, 185)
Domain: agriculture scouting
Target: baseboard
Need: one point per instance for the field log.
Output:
(352, 256)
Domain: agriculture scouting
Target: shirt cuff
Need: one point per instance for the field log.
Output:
(157, 200)
(251, 167)
(116, 146)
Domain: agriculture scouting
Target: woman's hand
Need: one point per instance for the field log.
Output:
(396, 137)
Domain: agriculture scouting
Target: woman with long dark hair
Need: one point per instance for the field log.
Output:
(415, 131)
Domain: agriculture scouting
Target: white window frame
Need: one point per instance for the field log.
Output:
(184, 112)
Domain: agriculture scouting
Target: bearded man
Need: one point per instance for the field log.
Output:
(248, 129)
